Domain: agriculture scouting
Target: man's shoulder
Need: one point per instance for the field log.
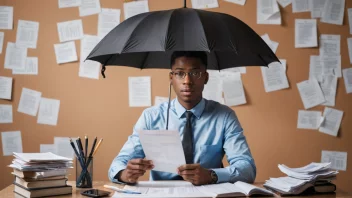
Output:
(216, 106)
(156, 109)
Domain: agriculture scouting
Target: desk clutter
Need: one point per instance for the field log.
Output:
(40, 174)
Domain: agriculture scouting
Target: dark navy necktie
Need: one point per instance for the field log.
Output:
(187, 141)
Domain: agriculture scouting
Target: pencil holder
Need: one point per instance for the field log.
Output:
(84, 172)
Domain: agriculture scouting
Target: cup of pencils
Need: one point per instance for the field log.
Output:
(84, 162)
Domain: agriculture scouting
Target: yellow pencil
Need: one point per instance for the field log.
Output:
(96, 148)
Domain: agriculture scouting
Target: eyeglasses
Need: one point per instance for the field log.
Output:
(195, 75)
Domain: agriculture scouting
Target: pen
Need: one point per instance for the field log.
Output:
(76, 152)
(121, 190)
(86, 146)
(80, 148)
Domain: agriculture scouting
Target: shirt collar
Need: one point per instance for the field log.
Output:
(197, 110)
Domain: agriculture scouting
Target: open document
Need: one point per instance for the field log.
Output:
(268, 12)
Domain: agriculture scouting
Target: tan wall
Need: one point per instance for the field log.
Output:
(100, 107)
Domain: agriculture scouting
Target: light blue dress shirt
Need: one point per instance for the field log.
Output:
(216, 131)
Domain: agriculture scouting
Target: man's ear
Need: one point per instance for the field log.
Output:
(170, 77)
(206, 78)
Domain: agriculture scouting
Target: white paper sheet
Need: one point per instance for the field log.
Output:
(11, 142)
(284, 3)
(329, 44)
(329, 86)
(272, 44)
(164, 148)
(333, 12)
(31, 67)
(65, 52)
(63, 147)
(306, 33)
(29, 102)
(70, 30)
(347, 76)
(27, 34)
(133, 8)
(311, 93)
(108, 19)
(213, 88)
(69, 3)
(139, 89)
(48, 111)
(338, 159)
(268, 12)
(331, 65)
(242, 70)
(159, 100)
(6, 114)
(6, 17)
(233, 90)
(44, 148)
(332, 121)
(315, 68)
(15, 57)
(2, 36)
(349, 44)
(274, 76)
(300, 6)
(5, 88)
(89, 7)
(204, 4)
(239, 2)
(317, 7)
(88, 68)
(309, 119)
(349, 11)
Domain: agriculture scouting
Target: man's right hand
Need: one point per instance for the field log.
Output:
(135, 169)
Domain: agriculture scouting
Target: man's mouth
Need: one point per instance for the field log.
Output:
(186, 91)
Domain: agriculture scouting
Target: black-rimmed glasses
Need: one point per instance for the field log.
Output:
(193, 74)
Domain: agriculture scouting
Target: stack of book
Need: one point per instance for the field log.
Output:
(40, 174)
(315, 177)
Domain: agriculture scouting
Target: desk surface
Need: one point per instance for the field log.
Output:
(8, 191)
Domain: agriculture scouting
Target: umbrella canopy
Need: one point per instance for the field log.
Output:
(147, 40)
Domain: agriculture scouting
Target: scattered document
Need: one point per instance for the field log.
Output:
(108, 19)
(338, 159)
(31, 67)
(213, 88)
(284, 3)
(272, 44)
(133, 8)
(274, 76)
(268, 12)
(329, 44)
(70, 30)
(5, 114)
(309, 119)
(237, 189)
(332, 121)
(89, 7)
(2, 35)
(329, 86)
(317, 7)
(11, 142)
(164, 148)
(27, 34)
(63, 147)
(347, 76)
(69, 3)
(159, 100)
(332, 65)
(233, 90)
(15, 57)
(349, 44)
(310, 93)
(88, 68)
(242, 70)
(5, 87)
(139, 91)
(349, 10)
(315, 68)
(6, 17)
(239, 2)
(45, 148)
(48, 111)
(333, 12)
(306, 33)
(204, 4)
(29, 102)
(34, 158)
(65, 52)
(300, 6)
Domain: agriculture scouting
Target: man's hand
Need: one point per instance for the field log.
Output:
(135, 169)
(195, 174)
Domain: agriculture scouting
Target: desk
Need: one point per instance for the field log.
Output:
(8, 191)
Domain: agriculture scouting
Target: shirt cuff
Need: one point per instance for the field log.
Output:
(223, 175)
(117, 176)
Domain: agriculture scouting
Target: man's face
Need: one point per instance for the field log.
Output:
(188, 87)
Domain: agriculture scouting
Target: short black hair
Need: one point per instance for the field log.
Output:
(190, 54)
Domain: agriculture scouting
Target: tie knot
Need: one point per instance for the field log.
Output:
(189, 114)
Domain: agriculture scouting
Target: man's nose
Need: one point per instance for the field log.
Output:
(187, 79)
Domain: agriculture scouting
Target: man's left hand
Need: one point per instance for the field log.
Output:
(195, 174)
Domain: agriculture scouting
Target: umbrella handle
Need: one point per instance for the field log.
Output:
(168, 108)
(184, 4)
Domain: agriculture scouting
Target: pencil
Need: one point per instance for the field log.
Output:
(96, 148)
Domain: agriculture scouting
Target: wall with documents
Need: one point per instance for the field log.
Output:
(56, 99)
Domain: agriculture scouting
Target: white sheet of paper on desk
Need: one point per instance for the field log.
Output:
(349, 11)
(306, 33)
(268, 12)
(159, 100)
(300, 6)
(315, 68)
(338, 159)
(5, 88)
(333, 12)
(89, 7)
(6, 114)
(204, 4)
(329, 44)
(88, 68)
(65, 52)
(11, 142)
(284, 3)
(63, 147)
(69, 3)
(213, 88)
(29, 101)
(233, 90)
(139, 91)
(332, 121)
(70, 30)
(239, 2)
(274, 76)
(44, 148)
(108, 19)
(311, 93)
(27, 34)
(6, 17)
(48, 111)
(164, 148)
(133, 8)
(309, 119)
(15, 57)
(347, 76)
(349, 44)
(329, 86)
(2, 35)
(331, 65)
(31, 67)
(317, 7)
(272, 44)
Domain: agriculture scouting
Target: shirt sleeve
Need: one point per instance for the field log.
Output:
(241, 163)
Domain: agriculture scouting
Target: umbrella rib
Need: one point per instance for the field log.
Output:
(217, 60)
(206, 41)
(166, 44)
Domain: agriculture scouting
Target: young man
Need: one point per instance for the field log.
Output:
(208, 131)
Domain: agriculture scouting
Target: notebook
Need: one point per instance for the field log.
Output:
(42, 192)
